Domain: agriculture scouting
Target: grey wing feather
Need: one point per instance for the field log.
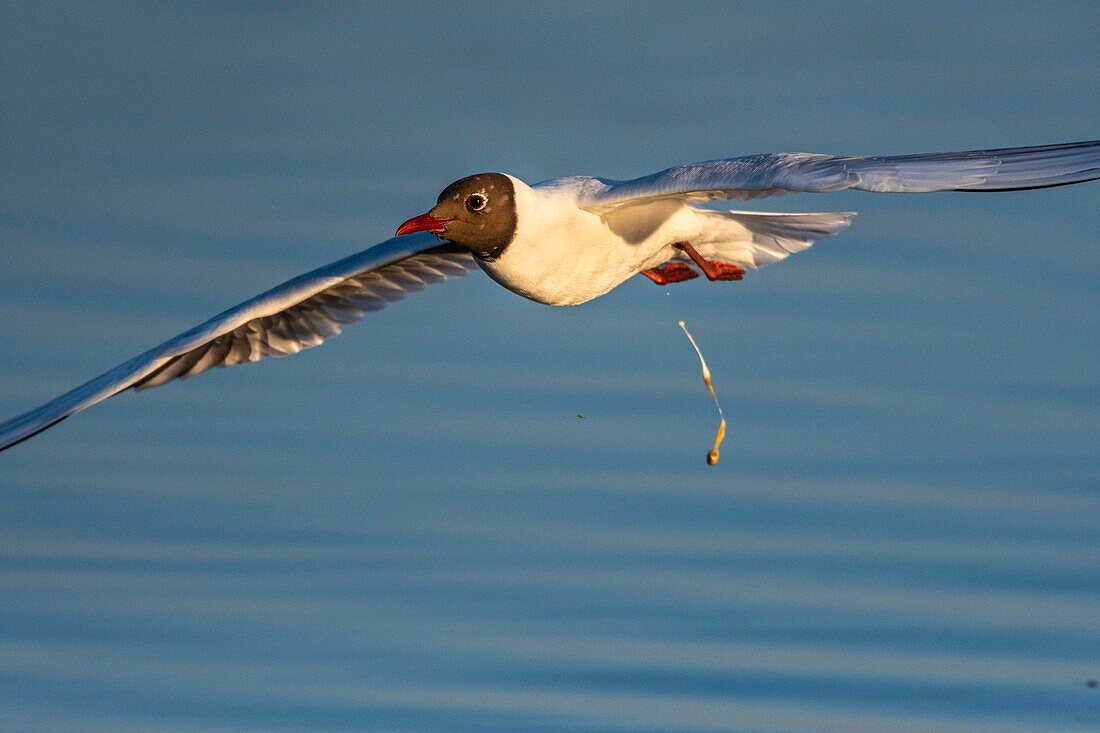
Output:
(296, 315)
(756, 176)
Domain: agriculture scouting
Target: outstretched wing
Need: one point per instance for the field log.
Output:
(296, 315)
(756, 176)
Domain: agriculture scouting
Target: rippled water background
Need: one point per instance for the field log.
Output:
(409, 528)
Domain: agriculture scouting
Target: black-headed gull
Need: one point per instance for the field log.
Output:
(566, 241)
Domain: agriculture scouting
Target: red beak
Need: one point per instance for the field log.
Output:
(422, 223)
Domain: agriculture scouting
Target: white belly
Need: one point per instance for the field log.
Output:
(562, 255)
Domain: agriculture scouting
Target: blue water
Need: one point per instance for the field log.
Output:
(410, 529)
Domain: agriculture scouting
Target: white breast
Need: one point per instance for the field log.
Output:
(564, 255)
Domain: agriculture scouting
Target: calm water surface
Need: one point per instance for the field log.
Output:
(409, 529)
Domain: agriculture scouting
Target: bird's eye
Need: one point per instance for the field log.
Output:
(476, 202)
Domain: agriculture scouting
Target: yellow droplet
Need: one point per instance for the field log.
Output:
(712, 456)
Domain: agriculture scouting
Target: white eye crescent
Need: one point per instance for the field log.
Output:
(476, 201)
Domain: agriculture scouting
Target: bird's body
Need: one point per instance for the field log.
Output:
(564, 242)
(564, 254)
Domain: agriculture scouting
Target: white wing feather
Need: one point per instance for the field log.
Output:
(296, 315)
(756, 176)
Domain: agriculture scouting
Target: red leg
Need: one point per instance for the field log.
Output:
(713, 270)
(671, 272)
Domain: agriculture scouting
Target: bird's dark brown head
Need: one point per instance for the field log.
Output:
(477, 212)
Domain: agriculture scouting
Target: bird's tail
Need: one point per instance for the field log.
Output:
(754, 239)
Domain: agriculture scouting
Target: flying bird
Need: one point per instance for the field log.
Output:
(566, 241)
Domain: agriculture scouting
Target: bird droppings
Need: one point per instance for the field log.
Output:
(720, 435)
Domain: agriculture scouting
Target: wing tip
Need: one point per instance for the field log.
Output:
(30, 435)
